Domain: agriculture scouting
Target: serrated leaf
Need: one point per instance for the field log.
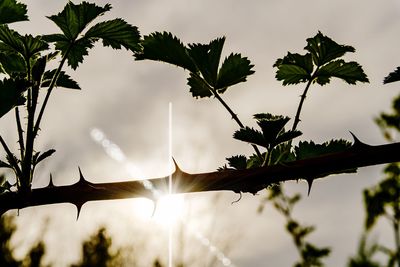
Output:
(12, 63)
(45, 155)
(282, 153)
(73, 19)
(350, 72)
(76, 51)
(13, 42)
(294, 68)
(306, 149)
(12, 11)
(235, 69)
(166, 48)
(394, 76)
(272, 127)
(207, 57)
(251, 136)
(198, 87)
(116, 33)
(323, 49)
(11, 95)
(64, 80)
(238, 162)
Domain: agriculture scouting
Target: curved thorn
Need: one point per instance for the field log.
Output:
(357, 142)
(177, 169)
(310, 183)
(81, 178)
(236, 201)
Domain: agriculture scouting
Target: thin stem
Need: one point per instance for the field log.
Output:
(396, 228)
(11, 157)
(234, 116)
(51, 86)
(303, 97)
(20, 132)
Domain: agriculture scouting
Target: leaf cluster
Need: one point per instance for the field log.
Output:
(321, 63)
(207, 75)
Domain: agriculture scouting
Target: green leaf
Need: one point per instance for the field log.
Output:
(12, 11)
(282, 153)
(38, 69)
(64, 80)
(238, 162)
(73, 19)
(166, 48)
(11, 95)
(234, 69)
(323, 49)
(12, 64)
(271, 126)
(306, 149)
(251, 136)
(294, 68)
(255, 161)
(75, 52)
(198, 87)
(287, 136)
(350, 72)
(26, 45)
(116, 33)
(207, 57)
(393, 76)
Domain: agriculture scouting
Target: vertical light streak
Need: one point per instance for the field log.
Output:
(170, 180)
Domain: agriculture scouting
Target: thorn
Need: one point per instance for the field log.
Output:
(236, 201)
(357, 142)
(79, 208)
(82, 179)
(177, 169)
(309, 182)
(51, 184)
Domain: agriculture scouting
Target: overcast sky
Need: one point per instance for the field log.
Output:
(128, 101)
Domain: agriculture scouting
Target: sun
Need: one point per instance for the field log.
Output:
(167, 211)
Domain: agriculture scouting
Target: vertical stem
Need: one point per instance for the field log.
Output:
(51, 86)
(396, 228)
(303, 97)
(20, 132)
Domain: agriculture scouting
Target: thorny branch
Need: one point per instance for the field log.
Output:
(239, 181)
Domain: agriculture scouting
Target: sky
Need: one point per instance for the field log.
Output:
(128, 100)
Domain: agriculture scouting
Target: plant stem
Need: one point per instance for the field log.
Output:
(11, 157)
(20, 132)
(303, 97)
(51, 86)
(396, 228)
(234, 117)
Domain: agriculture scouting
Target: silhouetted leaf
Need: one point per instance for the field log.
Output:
(76, 51)
(45, 155)
(64, 80)
(38, 69)
(306, 149)
(234, 69)
(251, 136)
(73, 19)
(282, 153)
(116, 33)
(323, 49)
(255, 161)
(11, 95)
(12, 64)
(287, 136)
(350, 72)
(198, 87)
(166, 48)
(207, 57)
(32, 45)
(12, 11)
(393, 76)
(294, 68)
(238, 162)
(271, 126)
